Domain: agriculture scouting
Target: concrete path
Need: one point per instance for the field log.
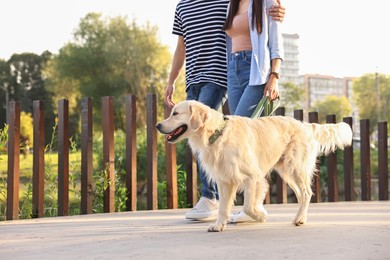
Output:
(343, 230)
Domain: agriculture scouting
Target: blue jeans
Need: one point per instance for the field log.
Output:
(243, 98)
(211, 95)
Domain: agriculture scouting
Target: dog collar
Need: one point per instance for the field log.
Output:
(218, 132)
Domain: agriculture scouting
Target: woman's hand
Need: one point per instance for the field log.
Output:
(272, 88)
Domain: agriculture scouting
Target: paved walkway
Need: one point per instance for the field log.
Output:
(343, 230)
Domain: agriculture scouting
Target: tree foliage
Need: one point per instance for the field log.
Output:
(365, 97)
(333, 105)
(26, 128)
(292, 96)
(110, 57)
(26, 82)
(4, 75)
(22, 80)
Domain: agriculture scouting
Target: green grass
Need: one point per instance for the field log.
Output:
(26, 164)
(51, 183)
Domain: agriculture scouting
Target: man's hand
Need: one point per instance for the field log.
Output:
(277, 12)
(168, 96)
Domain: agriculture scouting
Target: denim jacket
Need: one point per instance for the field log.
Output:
(266, 46)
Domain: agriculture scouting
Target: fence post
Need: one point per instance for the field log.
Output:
(298, 114)
(333, 194)
(313, 118)
(365, 159)
(348, 168)
(131, 153)
(38, 158)
(86, 155)
(108, 153)
(63, 157)
(383, 174)
(281, 187)
(170, 159)
(151, 107)
(13, 160)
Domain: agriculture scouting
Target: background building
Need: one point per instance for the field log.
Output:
(316, 86)
(289, 70)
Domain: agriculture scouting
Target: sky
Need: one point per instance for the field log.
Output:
(339, 38)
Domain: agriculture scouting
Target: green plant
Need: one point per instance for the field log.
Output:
(26, 207)
(51, 178)
(3, 198)
(74, 179)
(3, 181)
(181, 190)
(120, 171)
(120, 194)
(101, 184)
(3, 139)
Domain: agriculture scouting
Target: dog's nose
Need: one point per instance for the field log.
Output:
(158, 126)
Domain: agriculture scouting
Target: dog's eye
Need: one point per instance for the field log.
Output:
(175, 113)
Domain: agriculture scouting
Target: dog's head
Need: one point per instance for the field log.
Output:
(186, 118)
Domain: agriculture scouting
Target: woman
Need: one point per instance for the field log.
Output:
(255, 54)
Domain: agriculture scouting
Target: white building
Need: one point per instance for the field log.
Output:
(289, 70)
(316, 86)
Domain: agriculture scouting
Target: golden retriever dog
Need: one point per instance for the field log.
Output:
(239, 152)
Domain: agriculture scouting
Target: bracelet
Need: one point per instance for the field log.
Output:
(276, 74)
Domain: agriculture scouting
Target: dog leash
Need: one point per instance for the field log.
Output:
(264, 105)
(267, 106)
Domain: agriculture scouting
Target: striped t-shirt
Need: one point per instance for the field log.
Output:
(200, 23)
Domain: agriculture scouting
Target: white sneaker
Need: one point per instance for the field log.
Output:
(240, 216)
(205, 209)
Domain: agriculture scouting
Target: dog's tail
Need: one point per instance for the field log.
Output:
(331, 136)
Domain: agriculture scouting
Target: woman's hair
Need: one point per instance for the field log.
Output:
(257, 14)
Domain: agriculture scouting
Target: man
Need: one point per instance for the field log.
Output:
(202, 46)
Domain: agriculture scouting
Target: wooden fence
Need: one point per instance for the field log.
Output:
(171, 175)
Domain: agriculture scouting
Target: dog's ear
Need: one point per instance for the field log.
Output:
(199, 116)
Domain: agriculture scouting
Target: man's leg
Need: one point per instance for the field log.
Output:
(211, 95)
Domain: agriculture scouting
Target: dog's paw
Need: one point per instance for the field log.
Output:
(258, 215)
(299, 221)
(216, 227)
(262, 218)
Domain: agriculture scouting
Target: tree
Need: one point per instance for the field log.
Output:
(366, 99)
(22, 80)
(4, 75)
(26, 82)
(109, 57)
(292, 96)
(333, 105)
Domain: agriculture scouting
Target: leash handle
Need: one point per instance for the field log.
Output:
(267, 106)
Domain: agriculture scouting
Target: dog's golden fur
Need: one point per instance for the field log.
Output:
(249, 149)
